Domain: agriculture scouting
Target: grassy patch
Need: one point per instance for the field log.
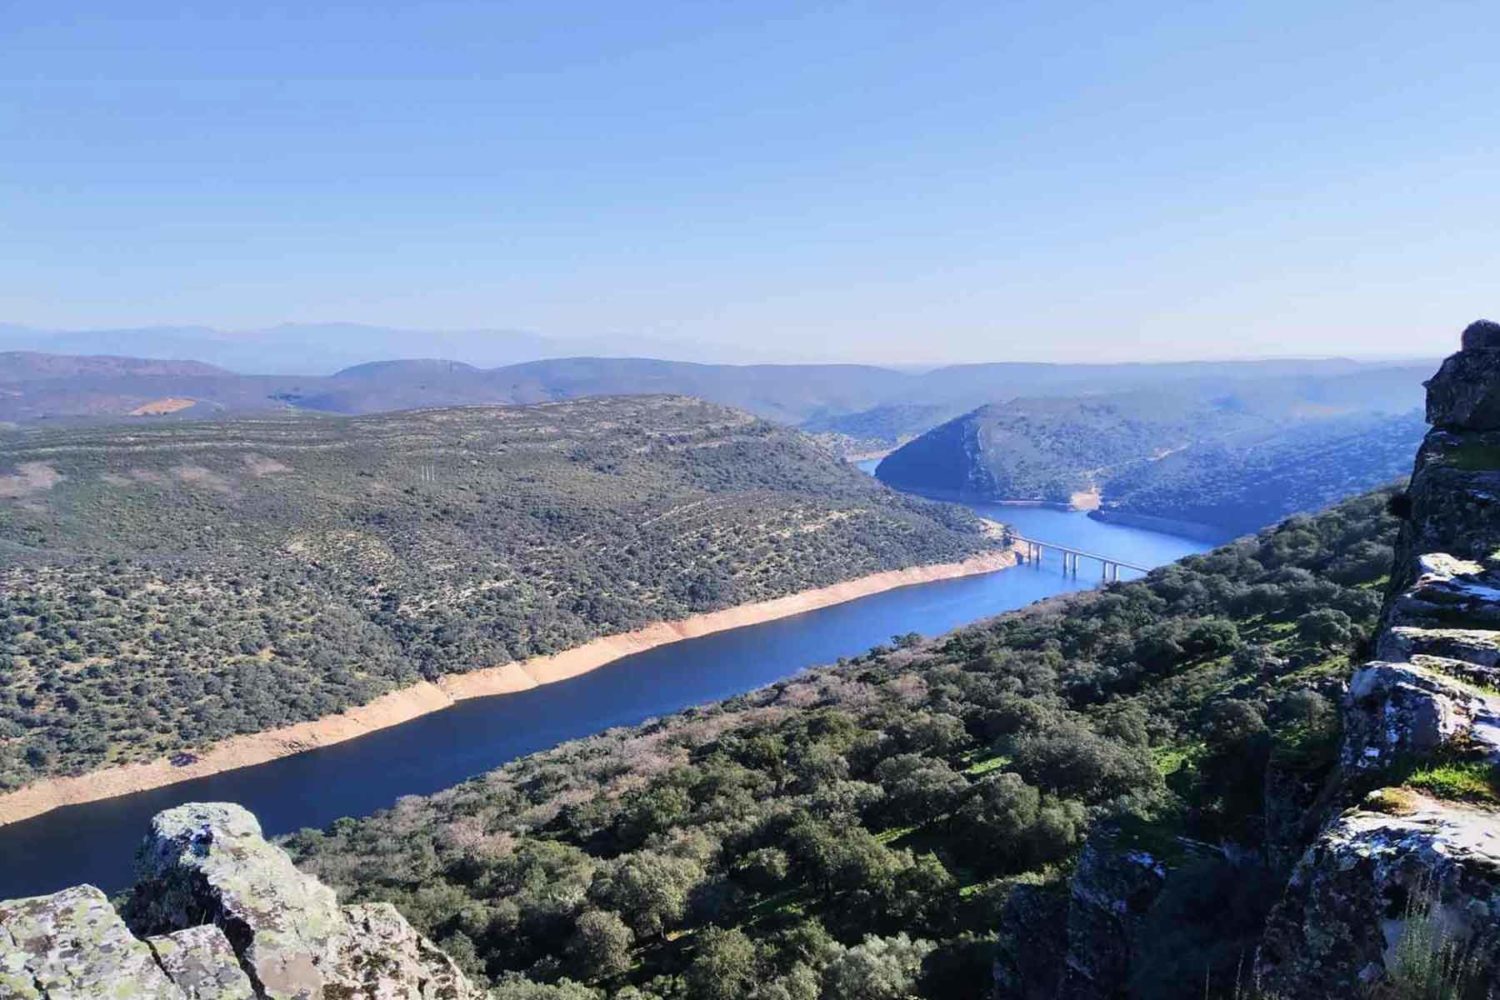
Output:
(985, 766)
(1470, 781)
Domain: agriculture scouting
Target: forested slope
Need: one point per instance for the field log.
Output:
(1231, 461)
(164, 587)
(863, 831)
(1243, 483)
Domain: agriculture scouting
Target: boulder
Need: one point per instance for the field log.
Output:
(1377, 886)
(1482, 335)
(202, 964)
(72, 945)
(230, 918)
(1113, 889)
(1032, 939)
(1465, 393)
(209, 863)
(1399, 711)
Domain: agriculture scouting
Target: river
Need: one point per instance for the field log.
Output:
(94, 842)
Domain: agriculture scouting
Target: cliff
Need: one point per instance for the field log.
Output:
(217, 913)
(1407, 883)
(1387, 859)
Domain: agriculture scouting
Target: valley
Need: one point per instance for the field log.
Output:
(324, 780)
(167, 587)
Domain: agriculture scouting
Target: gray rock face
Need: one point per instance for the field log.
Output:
(1033, 939)
(1350, 898)
(72, 945)
(231, 918)
(1112, 891)
(208, 862)
(1406, 861)
(202, 964)
(1465, 393)
(1398, 710)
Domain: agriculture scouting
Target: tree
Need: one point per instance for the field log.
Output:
(918, 788)
(878, 969)
(724, 967)
(600, 946)
(649, 890)
(1325, 628)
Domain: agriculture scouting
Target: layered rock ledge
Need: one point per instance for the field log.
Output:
(217, 913)
(1402, 861)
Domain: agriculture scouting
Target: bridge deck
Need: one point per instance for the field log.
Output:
(1081, 552)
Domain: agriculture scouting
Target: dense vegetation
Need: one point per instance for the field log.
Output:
(862, 832)
(164, 587)
(1242, 484)
(1233, 461)
(1048, 449)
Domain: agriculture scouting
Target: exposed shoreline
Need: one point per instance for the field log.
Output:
(424, 697)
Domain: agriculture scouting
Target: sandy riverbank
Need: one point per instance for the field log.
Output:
(419, 699)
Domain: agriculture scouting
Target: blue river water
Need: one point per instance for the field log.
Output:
(95, 842)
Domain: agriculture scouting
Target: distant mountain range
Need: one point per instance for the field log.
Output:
(324, 348)
(862, 406)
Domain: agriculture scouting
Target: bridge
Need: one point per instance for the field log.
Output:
(1033, 549)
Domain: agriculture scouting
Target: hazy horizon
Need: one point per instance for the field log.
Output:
(484, 349)
(872, 182)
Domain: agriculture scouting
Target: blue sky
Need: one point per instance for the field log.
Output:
(866, 181)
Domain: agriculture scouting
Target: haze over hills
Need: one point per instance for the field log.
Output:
(876, 406)
(324, 348)
(1219, 455)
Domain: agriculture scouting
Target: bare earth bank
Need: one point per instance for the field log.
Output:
(396, 707)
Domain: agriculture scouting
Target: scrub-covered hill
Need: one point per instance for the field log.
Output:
(1193, 786)
(162, 587)
(1226, 459)
(880, 820)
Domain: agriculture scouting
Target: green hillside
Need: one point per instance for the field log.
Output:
(165, 586)
(1243, 483)
(1231, 459)
(867, 829)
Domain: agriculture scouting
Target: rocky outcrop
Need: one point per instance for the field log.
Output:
(1405, 872)
(1029, 953)
(1353, 896)
(1112, 890)
(73, 944)
(223, 915)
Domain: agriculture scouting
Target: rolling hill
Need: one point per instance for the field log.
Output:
(166, 585)
(1219, 457)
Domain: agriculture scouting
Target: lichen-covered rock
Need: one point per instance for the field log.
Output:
(1346, 906)
(209, 863)
(202, 964)
(72, 945)
(1113, 888)
(232, 919)
(1465, 393)
(1479, 648)
(1398, 711)
(388, 960)
(1455, 507)
(1449, 590)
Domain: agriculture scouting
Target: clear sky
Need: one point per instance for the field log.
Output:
(912, 181)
